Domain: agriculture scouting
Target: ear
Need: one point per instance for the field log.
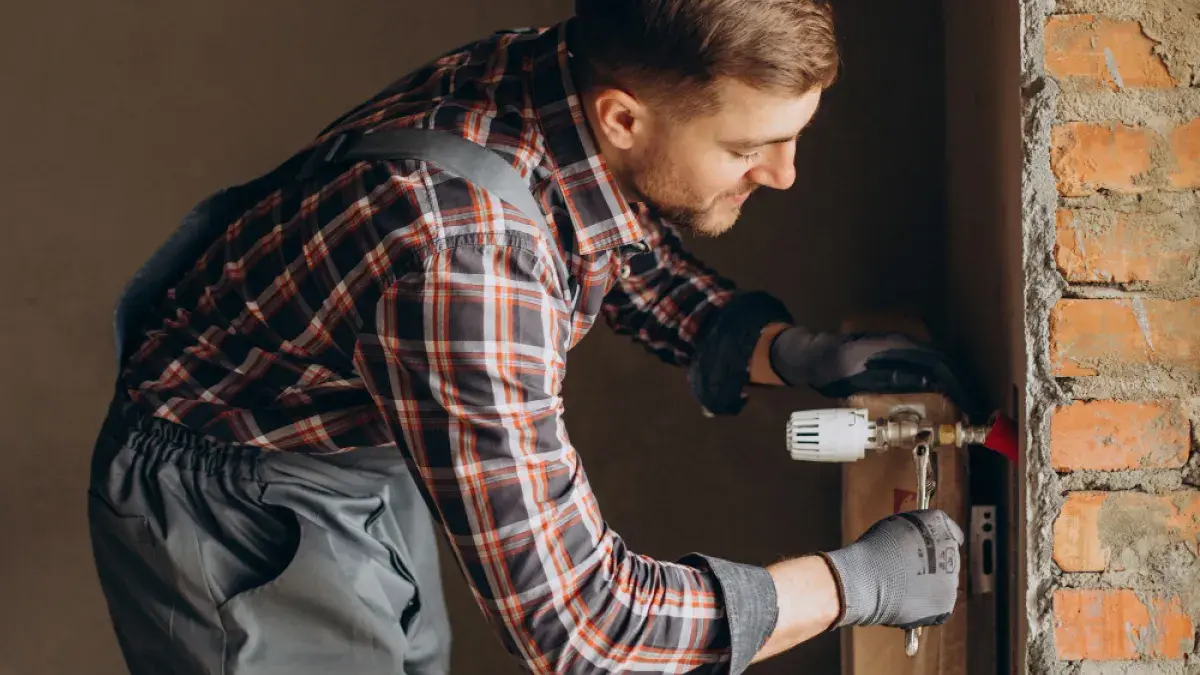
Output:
(620, 117)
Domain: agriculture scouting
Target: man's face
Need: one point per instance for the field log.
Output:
(698, 173)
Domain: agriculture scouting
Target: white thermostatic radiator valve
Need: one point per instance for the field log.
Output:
(845, 434)
(831, 435)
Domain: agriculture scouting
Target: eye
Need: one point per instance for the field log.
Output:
(747, 156)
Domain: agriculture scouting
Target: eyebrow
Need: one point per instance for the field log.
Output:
(755, 142)
(759, 142)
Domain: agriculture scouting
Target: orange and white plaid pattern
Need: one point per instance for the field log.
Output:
(392, 303)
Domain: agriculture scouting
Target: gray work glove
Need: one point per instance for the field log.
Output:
(840, 364)
(902, 572)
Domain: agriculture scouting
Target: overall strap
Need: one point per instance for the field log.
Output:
(452, 153)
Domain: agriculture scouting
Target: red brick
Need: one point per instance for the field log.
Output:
(1115, 625)
(1096, 246)
(1082, 543)
(1185, 149)
(1089, 157)
(1092, 337)
(1114, 435)
(1077, 545)
(1077, 48)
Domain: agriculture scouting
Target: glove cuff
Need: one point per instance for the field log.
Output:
(790, 355)
(841, 592)
(855, 580)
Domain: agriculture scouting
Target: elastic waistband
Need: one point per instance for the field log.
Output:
(175, 444)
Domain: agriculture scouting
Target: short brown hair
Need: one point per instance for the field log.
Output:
(673, 51)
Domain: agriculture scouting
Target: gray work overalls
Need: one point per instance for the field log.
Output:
(217, 557)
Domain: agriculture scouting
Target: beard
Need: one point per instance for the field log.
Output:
(657, 183)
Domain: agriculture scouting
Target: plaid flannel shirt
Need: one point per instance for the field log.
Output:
(391, 302)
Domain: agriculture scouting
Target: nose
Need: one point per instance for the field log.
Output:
(778, 167)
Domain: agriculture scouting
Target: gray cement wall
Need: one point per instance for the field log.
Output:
(120, 115)
(1043, 287)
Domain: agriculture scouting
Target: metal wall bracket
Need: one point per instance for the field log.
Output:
(983, 551)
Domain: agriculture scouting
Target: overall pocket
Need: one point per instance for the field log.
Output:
(250, 547)
(337, 605)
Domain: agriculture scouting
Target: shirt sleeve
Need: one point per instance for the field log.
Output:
(688, 315)
(663, 300)
(464, 361)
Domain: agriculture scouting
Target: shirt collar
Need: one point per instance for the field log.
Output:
(601, 215)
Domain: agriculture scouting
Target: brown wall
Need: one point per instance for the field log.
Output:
(983, 130)
(983, 319)
(119, 115)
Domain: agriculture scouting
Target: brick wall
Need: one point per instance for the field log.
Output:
(1124, 336)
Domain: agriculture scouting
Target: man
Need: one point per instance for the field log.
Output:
(360, 344)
